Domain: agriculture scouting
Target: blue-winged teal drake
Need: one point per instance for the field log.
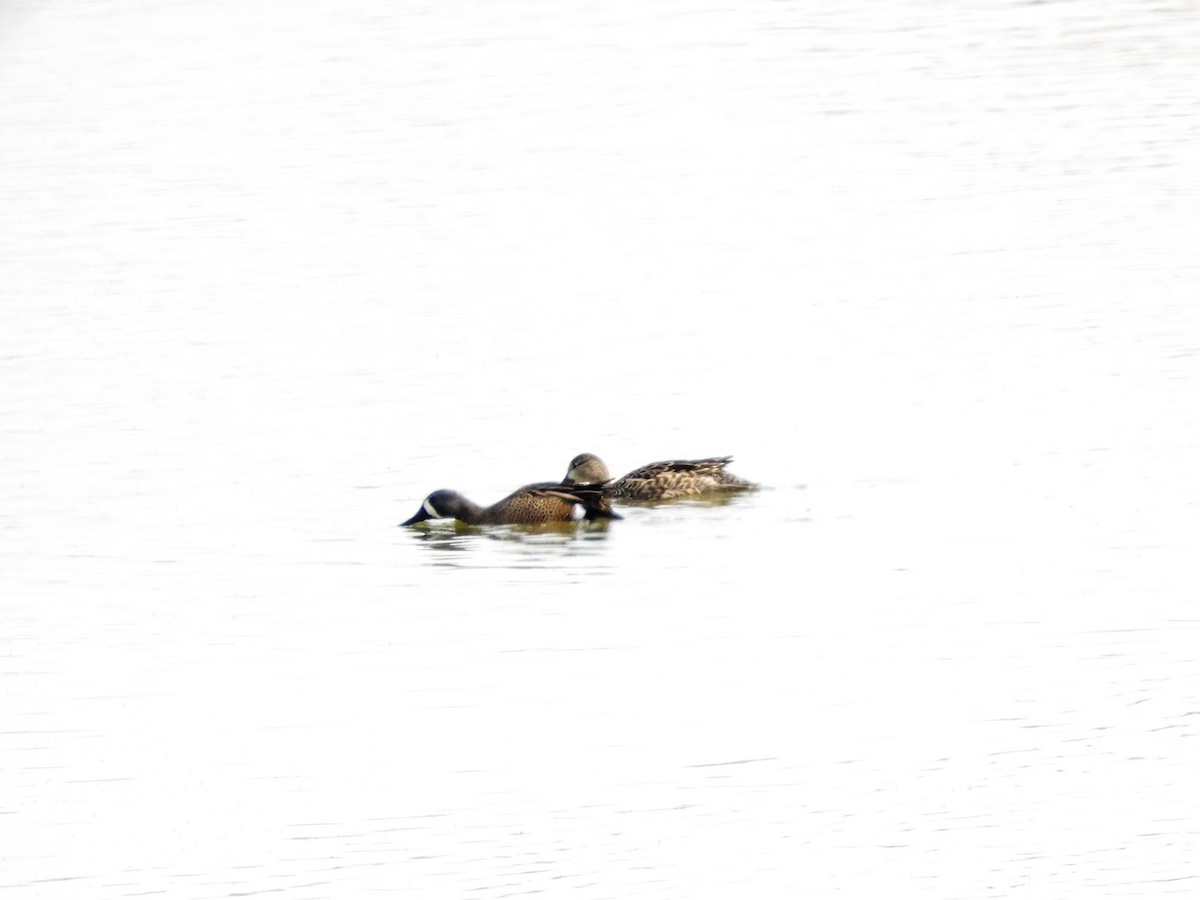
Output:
(667, 480)
(534, 504)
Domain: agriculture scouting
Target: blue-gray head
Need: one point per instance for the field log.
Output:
(440, 505)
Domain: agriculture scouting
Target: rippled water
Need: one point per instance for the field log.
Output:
(271, 274)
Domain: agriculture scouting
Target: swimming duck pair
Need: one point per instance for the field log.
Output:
(587, 492)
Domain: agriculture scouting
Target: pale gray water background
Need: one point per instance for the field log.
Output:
(272, 272)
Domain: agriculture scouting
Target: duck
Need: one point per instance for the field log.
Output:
(666, 480)
(533, 504)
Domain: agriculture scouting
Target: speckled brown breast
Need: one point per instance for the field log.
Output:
(531, 507)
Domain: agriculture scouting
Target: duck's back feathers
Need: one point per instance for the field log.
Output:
(533, 504)
(666, 480)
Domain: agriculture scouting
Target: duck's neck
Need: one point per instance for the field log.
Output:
(471, 513)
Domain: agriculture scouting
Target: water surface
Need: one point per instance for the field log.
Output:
(271, 274)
